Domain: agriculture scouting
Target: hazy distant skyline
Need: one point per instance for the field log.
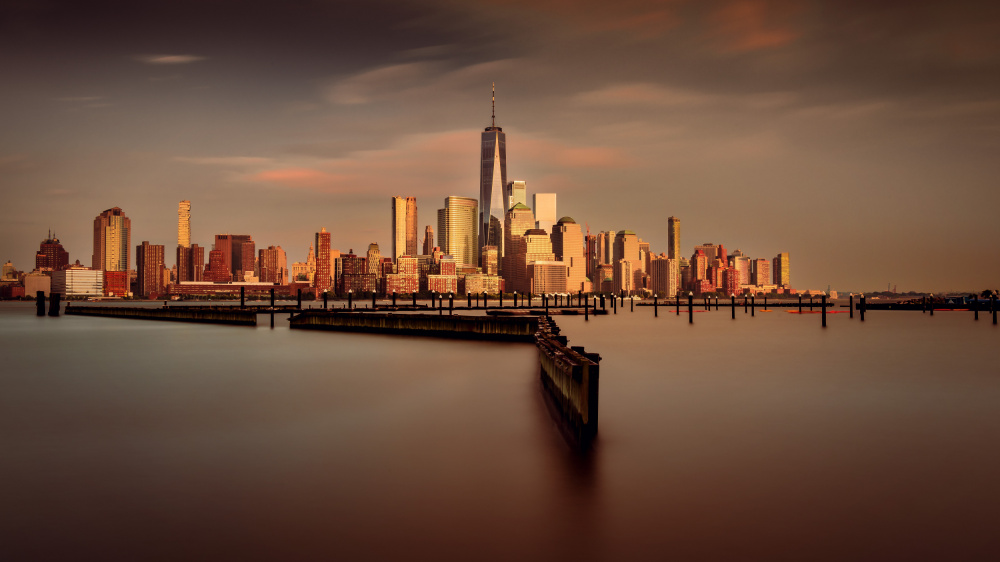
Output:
(859, 137)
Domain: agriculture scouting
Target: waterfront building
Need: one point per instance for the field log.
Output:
(781, 271)
(9, 272)
(37, 281)
(534, 245)
(51, 255)
(78, 281)
(627, 248)
(190, 263)
(112, 241)
(742, 265)
(699, 265)
(149, 269)
(567, 246)
(404, 226)
(184, 224)
(322, 279)
(516, 192)
(711, 252)
(443, 284)
(273, 265)
(477, 283)
(606, 247)
(356, 276)
(490, 260)
(548, 277)
(492, 181)
(664, 275)
(238, 253)
(457, 230)
(761, 272)
(544, 205)
(217, 271)
(518, 220)
(428, 240)
(374, 260)
(406, 279)
(674, 238)
(116, 284)
(604, 282)
(731, 282)
(624, 276)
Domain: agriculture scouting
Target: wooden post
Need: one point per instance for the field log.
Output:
(631, 304)
(501, 298)
(326, 298)
(765, 302)
(746, 304)
(824, 310)
(603, 303)
(678, 304)
(243, 296)
(862, 307)
(486, 303)
(40, 303)
(451, 303)
(753, 306)
(851, 308)
(414, 294)
(733, 304)
(923, 304)
(690, 308)
(579, 297)
(931, 304)
(393, 299)
(54, 298)
(350, 298)
(614, 304)
(469, 295)
(440, 305)
(373, 299)
(810, 302)
(800, 304)
(300, 299)
(545, 299)
(975, 305)
(993, 308)
(656, 312)
(272, 319)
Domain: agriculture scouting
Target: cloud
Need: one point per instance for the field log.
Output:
(645, 18)
(79, 99)
(224, 160)
(750, 25)
(645, 94)
(169, 59)
(366, 86)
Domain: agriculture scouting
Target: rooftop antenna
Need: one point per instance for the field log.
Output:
(494, 104)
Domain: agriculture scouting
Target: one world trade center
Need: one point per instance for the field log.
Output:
(492, 179)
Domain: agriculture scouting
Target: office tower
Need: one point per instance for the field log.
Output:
(535, 246)
(548, 277)
(112, 240)
(567, 246)
(731, 282)
(761, 272)
(51, 255)
(184, 224)
(517, 222)
(322, 279)
(590, 254)
(404, 226)
(606, 245)
(149, 269)
(741, 264)
(190, 263)
(644, 255)
(711, 252)
(490, 260)
(492, 181)
(664, 275)
(544, 205)
(626, 246)
(457, 230)
(674, 238)
(218, 271)
(624, 277)
(699, 266)
(238, 255)
(273, 265)
(428, 240)
(780, 269)
(374, 260)
(515, 192)
(9, 271)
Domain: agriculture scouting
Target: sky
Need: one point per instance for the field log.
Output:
(863, 138)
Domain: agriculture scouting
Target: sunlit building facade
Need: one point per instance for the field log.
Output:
(112, 241)
(457, 229)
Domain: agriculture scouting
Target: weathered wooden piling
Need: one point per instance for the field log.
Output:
(272, 319)
(545, 299)
(678, 302)
(810, 302)
(579, 297)
(690, 308)
(501, 299)
(732, 303)
(975, 305)
(851, 307)
(373, 298)
(393, 300)
(746, 304)
(40, 303)
(861, 307)
(993, 308)
(243, 297)
(824, 311)
(631, 304)
(603, 304)
(204, 315)
(571, 378)
(54, 298)
(485, 327)
(451, 303)
(765, 302)
(656, 312)
(350, 299)
(414, 295)
(299, 298)
(931, 304)
(326, 302)
(469, 295)
(923, 304)
(614, 304)
(753, 306)
(800, 304)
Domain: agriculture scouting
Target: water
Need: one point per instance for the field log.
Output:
(760, 438)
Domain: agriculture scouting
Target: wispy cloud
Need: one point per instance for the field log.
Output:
(224, 160)
(79, 99)
(169, 59)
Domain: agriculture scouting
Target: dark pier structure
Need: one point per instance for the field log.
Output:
(205, 315)
(495, 328)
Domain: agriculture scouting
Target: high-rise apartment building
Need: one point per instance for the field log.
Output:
(457, 230)
(112, 241)
(567, 245)
(238, 255)
(544, 205)
(781, 272)
(515, 192)
(536, 245)
(322, 279)
(492, 182)
(664, 275)
(149, 269)
(273, 265)
(184, 224)
(404, 226)
(190, 263)
(490, 260)
(674, 238)
(761, 272)
(590, 254)
(51, 255)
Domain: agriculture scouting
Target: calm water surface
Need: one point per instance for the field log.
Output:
(760, 438)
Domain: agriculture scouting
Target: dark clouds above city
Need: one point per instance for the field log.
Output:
(860, 137)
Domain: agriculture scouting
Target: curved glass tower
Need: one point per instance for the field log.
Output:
(492, 181)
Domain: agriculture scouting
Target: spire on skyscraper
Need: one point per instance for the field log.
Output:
(494, 116)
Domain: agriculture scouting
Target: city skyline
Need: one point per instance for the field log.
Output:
(819, 130)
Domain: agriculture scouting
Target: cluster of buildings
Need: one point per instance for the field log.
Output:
(496, 243)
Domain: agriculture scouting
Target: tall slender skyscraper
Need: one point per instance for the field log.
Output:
(457, 235)
(184, 224)
(322, 278)
(149, 268)
(404, 226)
(492, 182)
(544, 205)
(780, 270)
(674, 238)
(428, 240)
(112, 238)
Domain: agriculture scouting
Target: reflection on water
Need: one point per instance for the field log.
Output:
(763, 437)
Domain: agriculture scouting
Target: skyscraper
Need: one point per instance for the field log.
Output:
(567, 245)
(515, 192)
(492, 183)
(273, 265)
(428, 240)
(518, 221)
(51, 255)
(112, 240)
(190, 263)
(238, 255)
(457, 232)
(322, 279)
(404, 226)
(149, 268)
(780, 269)
(184, 224)
(544, 205)
(674, 238)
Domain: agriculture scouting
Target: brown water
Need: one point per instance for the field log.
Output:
(760, 438)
